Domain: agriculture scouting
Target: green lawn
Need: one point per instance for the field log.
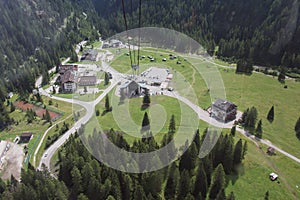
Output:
(84, 97)
(160, 112)
(254, 182)
(262, 92)
(256, 90)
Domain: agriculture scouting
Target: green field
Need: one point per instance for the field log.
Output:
(254, 182)
(160, 112)
(245, 91)
(262, 92)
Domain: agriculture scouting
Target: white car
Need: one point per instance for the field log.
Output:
(45, 155)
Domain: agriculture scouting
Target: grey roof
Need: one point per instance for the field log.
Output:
(127, 83)
(87, 80)
(223, 104)
(68, 76)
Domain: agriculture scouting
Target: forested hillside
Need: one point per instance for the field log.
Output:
(265, 32)
(34, 36)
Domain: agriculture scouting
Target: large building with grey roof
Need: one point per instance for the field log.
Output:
(223, 110)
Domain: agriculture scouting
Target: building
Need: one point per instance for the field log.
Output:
(64, 68)
(89, 55)
(223, 110)
(10, 95)
(132, 88)
(87, 81)
(68, 82)
(25, 137)
(273, 176)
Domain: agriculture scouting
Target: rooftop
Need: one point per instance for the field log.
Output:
(223, 104)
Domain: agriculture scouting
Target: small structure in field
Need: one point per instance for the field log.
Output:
(273, 176)
(271, 151)
(25, 137)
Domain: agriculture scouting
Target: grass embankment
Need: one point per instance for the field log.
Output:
(68, 118)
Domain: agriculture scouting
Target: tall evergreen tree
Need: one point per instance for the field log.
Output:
(145, 123)
(218, 182)
(267, 195)
(270, 116)
(107, 104)
(259, 129)
(106, 78)
(146, 99)
(184, 184)
(172, 183)
(297, 128)
(200, 186)
(47, 116)
(238, 152)
(233, 130)
(172, 127)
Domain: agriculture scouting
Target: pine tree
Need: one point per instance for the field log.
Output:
(106, 78)
(200, 185)
(228, 154)
(172, 127)
(145, 123)
(259, 129)
(218, 182)
(281, 76)
(238, 152)
(233, 130)
(107, 104)
(146, 99)
(267, 195)
(172, 183)
(12, 107)
(184, 184)
(297, 128)
(76, 180)
(47, 116)
(270, 116)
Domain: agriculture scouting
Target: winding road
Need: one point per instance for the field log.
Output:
(90, 106)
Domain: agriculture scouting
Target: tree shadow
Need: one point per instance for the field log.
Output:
(144, 107)
(238, 171)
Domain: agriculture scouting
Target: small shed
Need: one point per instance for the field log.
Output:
(25, 137)
(271, 151)
(273, 176)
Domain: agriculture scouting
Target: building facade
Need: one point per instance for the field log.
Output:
(223, 110)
